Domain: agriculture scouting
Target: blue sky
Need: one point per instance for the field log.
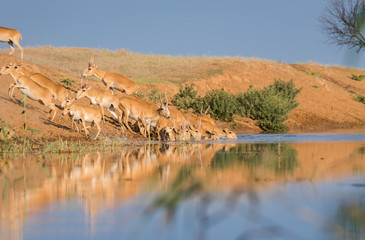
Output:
(279, 30)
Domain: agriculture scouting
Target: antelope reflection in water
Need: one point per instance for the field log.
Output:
(103, 181)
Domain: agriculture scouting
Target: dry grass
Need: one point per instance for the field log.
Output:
(139, 67)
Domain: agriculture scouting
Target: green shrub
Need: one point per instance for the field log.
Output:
(67, 81)
(270, 106)
(287, 91)
(222, 104)
(357, 77)
(359, 98)
(152, 96)
(187, 98)
(314, 74)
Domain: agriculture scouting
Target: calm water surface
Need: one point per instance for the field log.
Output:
(290, 186)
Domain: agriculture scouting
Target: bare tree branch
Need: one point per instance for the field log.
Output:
(343, 21)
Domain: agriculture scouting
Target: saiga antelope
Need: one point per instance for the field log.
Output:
(11, 36)
(194, 132)
(103, 98)
(208, 129)
(139, 110)
(204, 115)
(30, 88)
(164, 125)
(176, 117)
(86, 114)
(182, 125)
(59, 92)
(111, 79)
(73, 116)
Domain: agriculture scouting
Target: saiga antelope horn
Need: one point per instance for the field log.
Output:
(91, 60)
(161, 100)
(206, 111)
(167, 101)
(81, 83)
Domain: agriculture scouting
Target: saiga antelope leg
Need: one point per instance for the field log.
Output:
(53, 108)
(11, 90)
(11, 47)
(98, 126)
(83, 123)
(20, 48)
(102, 112)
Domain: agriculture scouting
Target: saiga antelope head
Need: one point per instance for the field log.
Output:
(164, 110)
(89, 71)
(82, 92)
(7, 69)
(67, 103)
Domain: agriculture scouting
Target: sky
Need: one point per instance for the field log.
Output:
(280, 30)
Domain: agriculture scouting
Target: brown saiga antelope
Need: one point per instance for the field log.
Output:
(207, 128)
(11, 36)
(177, 117)
(86, 114)
(165, 129)
(101, 97)
(73, 116)
(111, 79)
(30, 88)
(204, 115)
(59, 92)
(142, 111)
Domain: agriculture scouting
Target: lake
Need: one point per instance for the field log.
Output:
(260, 186)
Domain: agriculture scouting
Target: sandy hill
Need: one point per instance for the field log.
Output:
(325, 100)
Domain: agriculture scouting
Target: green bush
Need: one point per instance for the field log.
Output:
(313, 73)
(222, 105)
(357, 77)
(359, 98)
(67, 81)
(187, 98)
(287, 91)
(152, 96)
(270, 106)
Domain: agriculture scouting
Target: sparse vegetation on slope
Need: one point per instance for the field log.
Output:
(140, 68)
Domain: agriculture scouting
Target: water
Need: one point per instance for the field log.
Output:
(288, 186)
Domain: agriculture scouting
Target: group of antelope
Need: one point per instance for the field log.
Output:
(168, 123)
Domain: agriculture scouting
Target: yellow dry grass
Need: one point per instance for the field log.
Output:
(141, 68)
